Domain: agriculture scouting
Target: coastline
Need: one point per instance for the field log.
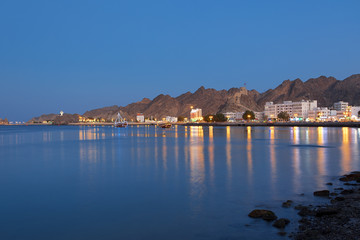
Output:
(220, 124)
(338, 219)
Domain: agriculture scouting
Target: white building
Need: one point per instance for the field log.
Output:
(140, 117)
(259, 116)
(233, 116)
(196, 115)
(298, 110)
(341, 106)
(171, 119)
(355, 111)
(323, 114)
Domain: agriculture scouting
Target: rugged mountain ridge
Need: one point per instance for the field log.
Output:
(326, 90)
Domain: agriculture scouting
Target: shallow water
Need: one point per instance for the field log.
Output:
(144, 182)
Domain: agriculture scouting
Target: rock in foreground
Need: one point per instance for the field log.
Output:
(264, 214)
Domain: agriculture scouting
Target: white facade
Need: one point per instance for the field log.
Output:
(355, 111)
(233, 116)
(322, 114)
(294, 109)
(259, 116)
(341, 106)
(171, 119)
(140, 117)
(196, 114)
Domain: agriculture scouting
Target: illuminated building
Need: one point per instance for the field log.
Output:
(196, 115)
(341, 106)
(296, 110)
(171, 119)
(140, 117)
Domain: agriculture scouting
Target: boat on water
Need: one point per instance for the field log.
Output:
(120, 121)
(164, 125)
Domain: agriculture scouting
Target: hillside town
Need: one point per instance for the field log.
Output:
(287, 111)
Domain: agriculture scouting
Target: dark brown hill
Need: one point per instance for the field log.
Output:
(326, 90)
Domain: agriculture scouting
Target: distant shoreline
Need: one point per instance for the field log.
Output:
(225, 124)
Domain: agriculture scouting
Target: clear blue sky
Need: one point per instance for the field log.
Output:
(80, 55)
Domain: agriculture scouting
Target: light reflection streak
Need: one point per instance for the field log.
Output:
(211, 152)
(197, 167)
(321, 152)
(345, 150)
(228, 150)
(164, 154)
(272, 156)
(296, 155)
(249, 151)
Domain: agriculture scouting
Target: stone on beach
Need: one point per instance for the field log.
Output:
(281, 223)
(322, 193)
(326, 211)
(264, 214)
(354, 176)
(287, 204)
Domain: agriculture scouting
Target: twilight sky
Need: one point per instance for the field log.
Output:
(80, 55)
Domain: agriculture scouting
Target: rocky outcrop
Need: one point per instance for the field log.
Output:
(44, 117)
(66, 119)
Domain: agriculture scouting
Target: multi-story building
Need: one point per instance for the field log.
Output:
(322, 114)
(196, 115)
(355, 111)
(233, 116)
(341, 106)
(298, 110)
(140, 117)
(171, 119)
(259, 116)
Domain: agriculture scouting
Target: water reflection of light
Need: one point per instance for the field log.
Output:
(46, 136)
(296, 155)
(345, 150)
(88, 134)
(272, 156)
(321, 152)
(249, 149)
(164, 154)
(211, 152)
(228, 151)
(197, 168)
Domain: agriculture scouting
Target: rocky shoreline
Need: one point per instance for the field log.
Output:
(339, 219)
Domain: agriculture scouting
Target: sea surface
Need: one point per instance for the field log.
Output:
(144, 182)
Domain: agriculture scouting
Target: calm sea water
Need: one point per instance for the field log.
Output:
(150, 183)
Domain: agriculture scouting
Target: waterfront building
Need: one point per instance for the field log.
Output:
(341, 106)
(296, 110)
(355, 112)
(140, 117)
(322, 114)
(196, 115)
(233, 116)
(259, 116)
(171, 119)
